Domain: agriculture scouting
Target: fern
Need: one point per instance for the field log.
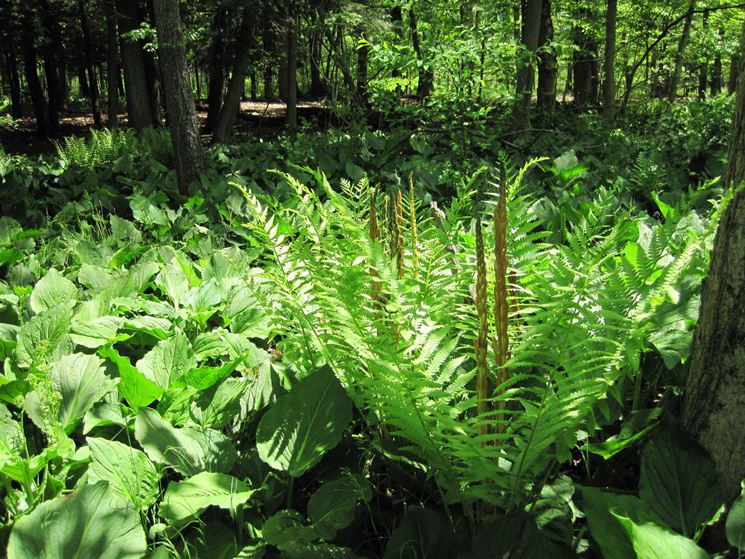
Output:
(404, 350)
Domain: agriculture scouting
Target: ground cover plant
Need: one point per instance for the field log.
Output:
(377, 279)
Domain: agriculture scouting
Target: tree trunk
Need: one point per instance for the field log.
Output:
(672, 92)
(715, 388)
(242, 57)
(703, 66)
(585, 67)
(216, 57)
(547, 66)
(426, 77)
(734, 62)
(716, 71)
(525, 65)
(292, 31)
(92, 82)
(112, 66)
(152, 74)
(138, 99)
(182, 115)
(16, 106)
(35, 91)
(609, 63)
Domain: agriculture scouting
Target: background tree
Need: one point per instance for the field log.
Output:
(182, 119)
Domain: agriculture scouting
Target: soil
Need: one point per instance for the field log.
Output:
(264, 119)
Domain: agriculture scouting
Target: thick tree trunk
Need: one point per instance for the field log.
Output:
(138, 99)
(525, 65)
(397, 22)
(547, 66)
(231, 106)
(112, 66)
(292, 31)
(92, 82)
(182, 117)
(672, 92)
(16, 104)
(216, 57)
(35, 91)
(152, 72)
(715, 389)
(609, 63)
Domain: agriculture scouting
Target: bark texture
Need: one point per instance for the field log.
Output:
(216, 57)
(609, 64)
(525, 65)
(182, 118)
(715, 388)
(112, 66)
(292, 30)
(547, 65)
(138, 103)
(231, 106)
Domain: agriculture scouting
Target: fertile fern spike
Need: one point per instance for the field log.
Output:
(482, 336)
(399, 234)
(414, 233)
(501, 305)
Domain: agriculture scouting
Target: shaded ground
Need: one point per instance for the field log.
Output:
(262, 119)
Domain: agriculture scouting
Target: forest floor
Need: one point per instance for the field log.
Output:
(264, 119)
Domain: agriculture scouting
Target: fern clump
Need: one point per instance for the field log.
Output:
(401, 338)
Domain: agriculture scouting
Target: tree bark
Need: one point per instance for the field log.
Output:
(182, 118)
(216, 57)
(672, 92)
(426, 77)
(732, 78)
(242, 57)
(715, 388)
(609, 63)
(585, 67)
(92, 82)
(112, 66)
(292, 31)
(525, 65)
(138, 98)
(35, 91)
(16, 104)
(547, 66)
(716, 71)
(703, 67)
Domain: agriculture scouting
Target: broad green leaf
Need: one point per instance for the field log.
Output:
(333, 505)
(286, 527)
(633, 429)
(605, 527)
(422, 533)
(652, 541)
(8, 336)
(205, 377)
(188, 498)
(245, 315)
(135, 387)
(92, 522)
(678, 481)
(81, 381)
(129, 472)
(103, 414)
(188, 451)
(24, 471)
(168, 361)
(511, 535)
(44, 336)
(735, 525)
(295, 433)
(52, 290)
(215, 408)
(97, 332)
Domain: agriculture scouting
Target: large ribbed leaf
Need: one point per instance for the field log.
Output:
(93, 522)
(302, 425)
